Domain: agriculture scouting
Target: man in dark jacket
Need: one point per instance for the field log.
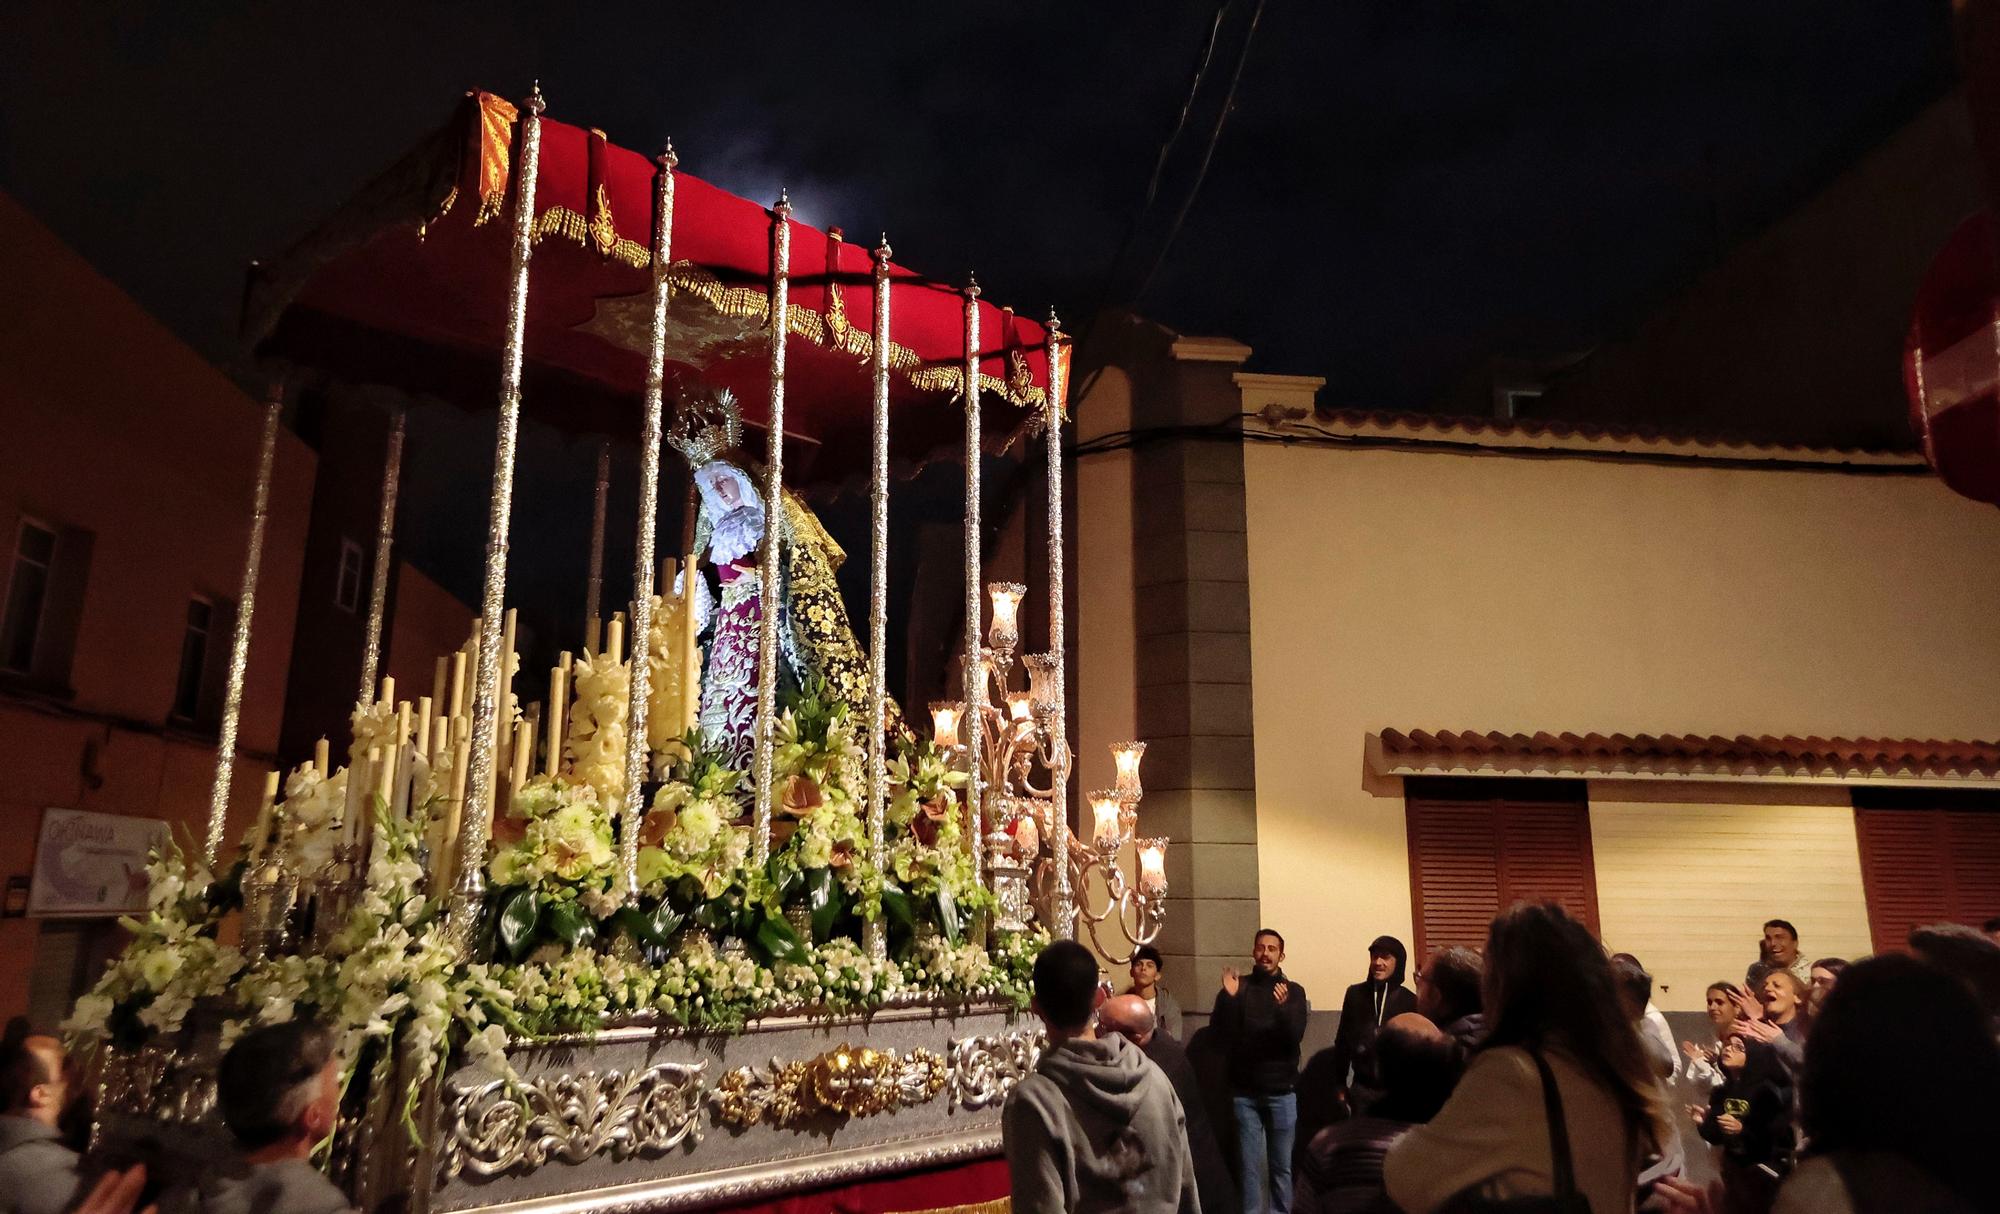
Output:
(38, 1173)
(1131, 1017)
(1326, 1095)
(1262, 1017)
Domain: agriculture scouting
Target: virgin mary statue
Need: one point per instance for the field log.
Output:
(815, 640)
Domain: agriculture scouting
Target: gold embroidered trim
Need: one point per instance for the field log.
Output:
(832, 331)
(999, 1205)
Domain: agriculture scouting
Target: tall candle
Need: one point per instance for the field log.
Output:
(457, 700)
(614, 637)
(260, 834)
(558, 697)
(422, 736)
(388, 695)
(690, 649)
(323, 758)
(508, 664)
(440, 680)
(444, 866)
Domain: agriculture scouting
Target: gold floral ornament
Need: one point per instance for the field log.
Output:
(844, 1082)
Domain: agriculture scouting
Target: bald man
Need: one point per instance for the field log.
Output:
(38, 1174)
(1132, 1017)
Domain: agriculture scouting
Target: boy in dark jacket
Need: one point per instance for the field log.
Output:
(1749, 1115)
(1261, 1017)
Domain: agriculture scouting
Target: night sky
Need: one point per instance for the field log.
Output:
(1402, 189)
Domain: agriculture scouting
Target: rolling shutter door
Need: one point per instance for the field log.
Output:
(1477, 847)
(1926, 863)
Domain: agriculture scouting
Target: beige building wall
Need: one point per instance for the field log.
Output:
(1682, 869)
(1419, 589)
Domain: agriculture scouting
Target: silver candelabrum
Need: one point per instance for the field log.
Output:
(1020, 737)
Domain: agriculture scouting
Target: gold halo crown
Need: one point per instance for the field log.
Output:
(705, 425)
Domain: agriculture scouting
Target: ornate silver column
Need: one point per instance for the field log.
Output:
(975, 662)
(878, 595)
(385, 538)
(636, 745)
(1058, 373)
(239, 638)
(476, 820)
(774, 516)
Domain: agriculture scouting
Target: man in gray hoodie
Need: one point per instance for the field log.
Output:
(1096, 1127)
(279, 1089)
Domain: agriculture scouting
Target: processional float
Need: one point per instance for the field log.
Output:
(629, 1000)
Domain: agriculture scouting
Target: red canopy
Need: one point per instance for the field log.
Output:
(1951, 362)
(407, 285)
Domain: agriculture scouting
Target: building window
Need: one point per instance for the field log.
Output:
(27, 596)
(193, 677)
(1926, 857)
(347, 588)
(1479, 846)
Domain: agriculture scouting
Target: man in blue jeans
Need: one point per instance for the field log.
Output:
(1261, 1017)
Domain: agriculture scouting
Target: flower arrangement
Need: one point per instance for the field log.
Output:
(173, 959)
(928, 875)
(552, 885)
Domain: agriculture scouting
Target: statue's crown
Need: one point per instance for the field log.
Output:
(705, 425)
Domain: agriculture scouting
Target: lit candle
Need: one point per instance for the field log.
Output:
(1018, 706)
(1004, 632)
(1127, 755)
(1153, 866)
(1105, 810)
(944, 722)
(1042, 670)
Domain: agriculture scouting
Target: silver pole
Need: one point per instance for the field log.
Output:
(878, 597)
(239, 639)
(636, 745)
(477, 819)
(385, 538)
(774, 515)
(1058, 374)
(975, 680)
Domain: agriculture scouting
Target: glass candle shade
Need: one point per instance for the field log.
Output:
(945, 716)
(1019, 708)
(1127, 755)
(1004, 629)
(1153, 866)
(1043, 696)
(1107, 819)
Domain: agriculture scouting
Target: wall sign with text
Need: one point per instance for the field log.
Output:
(89, 864)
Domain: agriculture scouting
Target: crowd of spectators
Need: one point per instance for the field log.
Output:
(1536, 1073)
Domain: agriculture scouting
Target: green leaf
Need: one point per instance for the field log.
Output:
(519, 913)
(665, 921)
(896, 903)
(778, 942)
(571, 924)
(823, 896)
(948, 914)
(635, 923)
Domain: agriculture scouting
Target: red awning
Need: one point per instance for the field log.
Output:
(407, 285)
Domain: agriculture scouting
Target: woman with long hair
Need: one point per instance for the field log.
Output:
(1550, 1003)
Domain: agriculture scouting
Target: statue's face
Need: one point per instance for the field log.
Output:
(725, 491)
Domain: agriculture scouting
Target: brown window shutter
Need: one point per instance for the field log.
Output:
(1926, 858)
(1477, 847)
(1973, 840)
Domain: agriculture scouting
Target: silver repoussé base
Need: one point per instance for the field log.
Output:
(638, 1118)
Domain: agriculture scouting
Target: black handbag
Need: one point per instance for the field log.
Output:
(1565, 1200)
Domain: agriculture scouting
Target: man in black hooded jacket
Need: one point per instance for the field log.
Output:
(1366, 1008)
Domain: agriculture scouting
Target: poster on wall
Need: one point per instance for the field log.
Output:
(89, 864)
